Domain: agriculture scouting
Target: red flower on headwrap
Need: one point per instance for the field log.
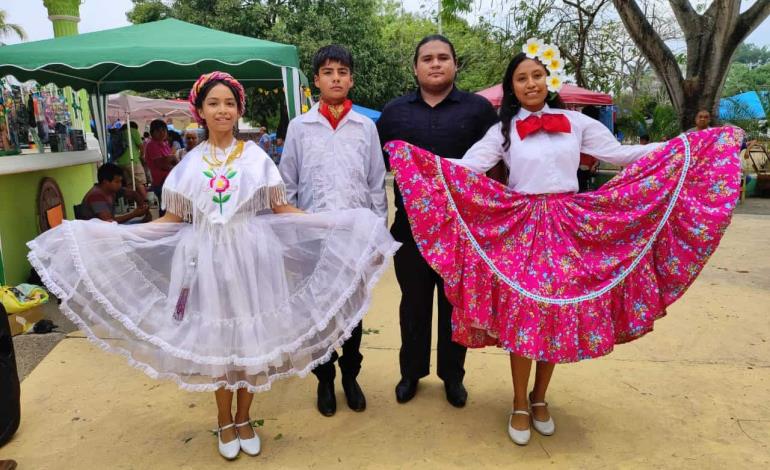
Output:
(208, 77)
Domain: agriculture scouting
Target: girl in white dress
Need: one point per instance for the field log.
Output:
(213, 295)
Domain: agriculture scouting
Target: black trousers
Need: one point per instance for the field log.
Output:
(418, 281)
(350, 361)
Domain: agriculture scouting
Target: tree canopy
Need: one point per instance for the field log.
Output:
(10, 28)
(621, 48)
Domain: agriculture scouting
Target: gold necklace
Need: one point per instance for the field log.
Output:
(215, 162)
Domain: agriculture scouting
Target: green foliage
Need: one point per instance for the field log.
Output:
(748, 53)
(10, 28)
(647, 115)
(379, 34)
(145, 11)
(742, 77)
(451, 9)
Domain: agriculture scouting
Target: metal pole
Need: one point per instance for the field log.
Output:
(130, 149)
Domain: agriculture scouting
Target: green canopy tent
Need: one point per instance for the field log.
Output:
(168, 54)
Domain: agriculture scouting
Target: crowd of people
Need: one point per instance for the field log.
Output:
(236, 299)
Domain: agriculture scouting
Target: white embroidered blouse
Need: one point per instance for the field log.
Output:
(206, 186)
(331, 169)
(546, 162)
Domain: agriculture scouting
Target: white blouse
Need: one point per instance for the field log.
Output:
(195, 190)
(326, 169)
(547, 162)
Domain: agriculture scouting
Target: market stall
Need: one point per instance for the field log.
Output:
(143, 110)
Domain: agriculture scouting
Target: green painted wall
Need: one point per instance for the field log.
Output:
(18, 211)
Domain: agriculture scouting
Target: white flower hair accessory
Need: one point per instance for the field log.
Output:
(550, 57)
(554, 82)
(533, 48)
(548, 53)
(556, 65)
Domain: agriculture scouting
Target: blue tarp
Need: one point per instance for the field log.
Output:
(742, 106)
(370, 113)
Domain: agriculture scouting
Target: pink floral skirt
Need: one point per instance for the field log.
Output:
(564, 277)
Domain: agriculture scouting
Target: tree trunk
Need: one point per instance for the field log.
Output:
(711, 38)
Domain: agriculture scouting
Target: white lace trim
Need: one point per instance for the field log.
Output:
(370, 254)
(263, 198)
(210, 387)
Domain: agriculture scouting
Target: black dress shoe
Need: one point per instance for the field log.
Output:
(353, 394)
(327, 402)
(406, 389)
(456, 394)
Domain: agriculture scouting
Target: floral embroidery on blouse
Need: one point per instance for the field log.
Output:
(220, 175)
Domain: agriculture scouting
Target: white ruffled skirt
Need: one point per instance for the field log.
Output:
(209, 306)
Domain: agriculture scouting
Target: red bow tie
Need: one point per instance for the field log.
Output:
(547, 122)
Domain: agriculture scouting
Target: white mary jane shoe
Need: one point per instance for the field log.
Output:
(250, 446)
(546, 428)
(519, 437)
(228, 450)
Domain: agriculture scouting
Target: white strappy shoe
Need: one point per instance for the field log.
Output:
(250, 446)
(546, 428)
(228, 450)
(519, 437)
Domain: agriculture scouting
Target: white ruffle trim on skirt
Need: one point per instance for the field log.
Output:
(267, 297)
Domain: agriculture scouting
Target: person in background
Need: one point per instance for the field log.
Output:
(190, 141)
(264, 140)
(644, 139)
(159, 157)
(702, 120)
(277, 150)
(137, 182)
(175, 141)
(99, 201)
(588, 163)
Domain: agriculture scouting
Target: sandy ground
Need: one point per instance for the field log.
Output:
(693, 394)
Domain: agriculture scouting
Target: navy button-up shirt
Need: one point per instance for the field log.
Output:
(448, 129)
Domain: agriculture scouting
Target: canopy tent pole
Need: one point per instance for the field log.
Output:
(130, 150)
(292, 79)
(100, 120)
(288, 76)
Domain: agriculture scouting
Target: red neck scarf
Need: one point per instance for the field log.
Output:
(335, 113)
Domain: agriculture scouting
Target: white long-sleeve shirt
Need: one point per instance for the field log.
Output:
(547, 162)
(326, 169)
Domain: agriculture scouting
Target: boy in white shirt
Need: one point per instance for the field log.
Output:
(332, 159)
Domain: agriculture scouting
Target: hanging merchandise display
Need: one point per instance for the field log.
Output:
(9, 100)
(32, 116)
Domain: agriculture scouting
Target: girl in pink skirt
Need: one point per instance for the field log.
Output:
(548, 274)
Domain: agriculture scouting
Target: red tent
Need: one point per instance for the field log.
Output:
(570, 94)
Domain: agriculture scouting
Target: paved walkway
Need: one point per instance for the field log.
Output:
(693, 394)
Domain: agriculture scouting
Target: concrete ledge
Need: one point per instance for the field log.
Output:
(46, 161)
